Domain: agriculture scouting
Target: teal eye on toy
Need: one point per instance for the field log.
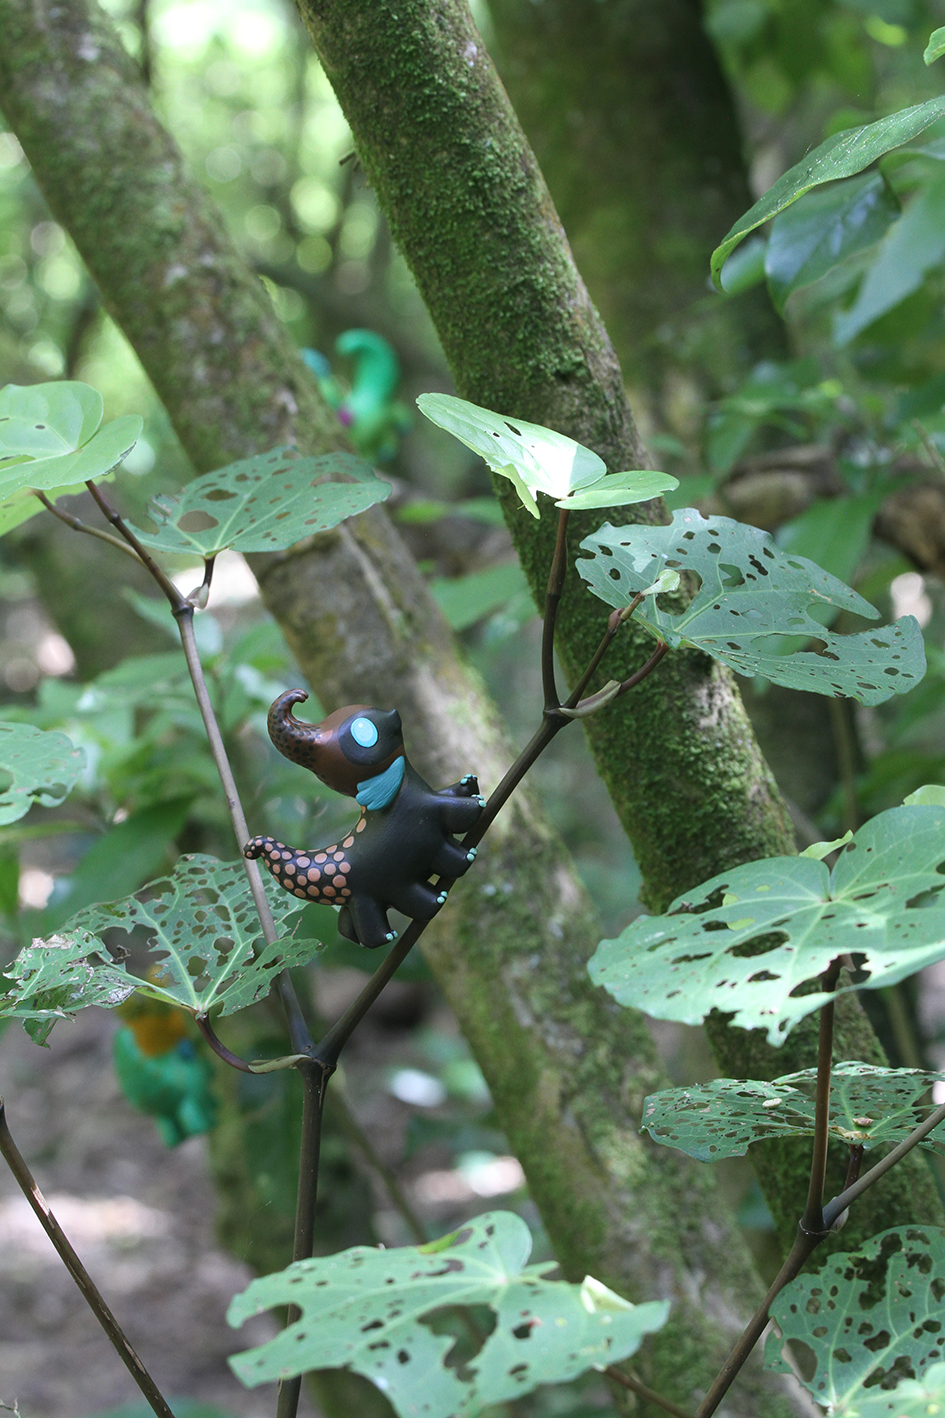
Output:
(364, 732)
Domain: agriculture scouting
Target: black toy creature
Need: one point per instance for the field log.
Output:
(402, 838)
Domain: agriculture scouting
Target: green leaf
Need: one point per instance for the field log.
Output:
(466, 599)
(913, 1398)
(44, 420)
(42, 767)
(201, 925)
(120, 860)
(51, 979)
(753, 606)
(833, 532)
(266, 503)
(930, 795)
(842, 155)
(823, 229)
(865, 1318)
(745, 941)
(70, 470)
(913, 246)
(869, 1106)
(361, 1310)
(935, 47)
(536, 459)
(819, 850)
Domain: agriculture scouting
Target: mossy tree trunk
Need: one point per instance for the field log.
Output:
(468, 205)
(567, 1069)
(634, 126)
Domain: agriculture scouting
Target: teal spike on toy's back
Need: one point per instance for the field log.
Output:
(173, 1087)
(328, 386)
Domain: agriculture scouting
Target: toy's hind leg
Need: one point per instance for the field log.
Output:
(459, 814)
(420, 900)
(363, 920)
(452, 860)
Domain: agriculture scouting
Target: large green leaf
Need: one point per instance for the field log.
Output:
(746, 940)
(842, 155)
(752, 608)
(867, 1318)
(537, 459)
(823, 229)
(868, 1106)
(913, 246)
(362, 1310)
(201, 927)
(266, 503)
(42, 768)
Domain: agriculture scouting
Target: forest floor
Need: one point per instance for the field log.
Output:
(141, 1218)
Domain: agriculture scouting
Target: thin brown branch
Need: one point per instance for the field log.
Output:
(631, 1382)
(116, 1335)
(78, 525)
(556, 575)
(812, 1222)
(218, 1046)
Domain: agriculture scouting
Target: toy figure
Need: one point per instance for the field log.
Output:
(404, 833)
(374, 418)
(160, 1072)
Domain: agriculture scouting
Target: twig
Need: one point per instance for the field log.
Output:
(113, 516)
(24, 1178)
(615, 620)
(78, 525)
(314, 1081)
(631, 1382)
(799, 1253)
(556, 575)
(812, 1222)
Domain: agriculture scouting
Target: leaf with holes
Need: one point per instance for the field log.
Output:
(745, 942)
(364, 1310)
(265, 503)
(537, 459)
(753, 606)
(867, 1318)
(52, 979)
(42, 767)
(869, 1106)
(200, 929)
(911, 1398)
(842, 155)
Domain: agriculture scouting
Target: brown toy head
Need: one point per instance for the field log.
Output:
(351, 745)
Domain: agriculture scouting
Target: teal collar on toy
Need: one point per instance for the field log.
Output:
(378, 792)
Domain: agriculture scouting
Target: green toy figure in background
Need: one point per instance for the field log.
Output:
(375, 419)
(160, 1072)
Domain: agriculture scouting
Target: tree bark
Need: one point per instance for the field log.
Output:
(568, 1070)
(467, 203)
(634, 127)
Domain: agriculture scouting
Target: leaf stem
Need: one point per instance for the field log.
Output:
(834, 1209)
(24, 1178)
(634, 1384)
(218, 1046)
(556, 575)
(614, 621)
(79, 526)
(812, 1222)
(314, 1080)
(183, 611)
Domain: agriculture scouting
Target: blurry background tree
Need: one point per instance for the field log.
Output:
(654, 127)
